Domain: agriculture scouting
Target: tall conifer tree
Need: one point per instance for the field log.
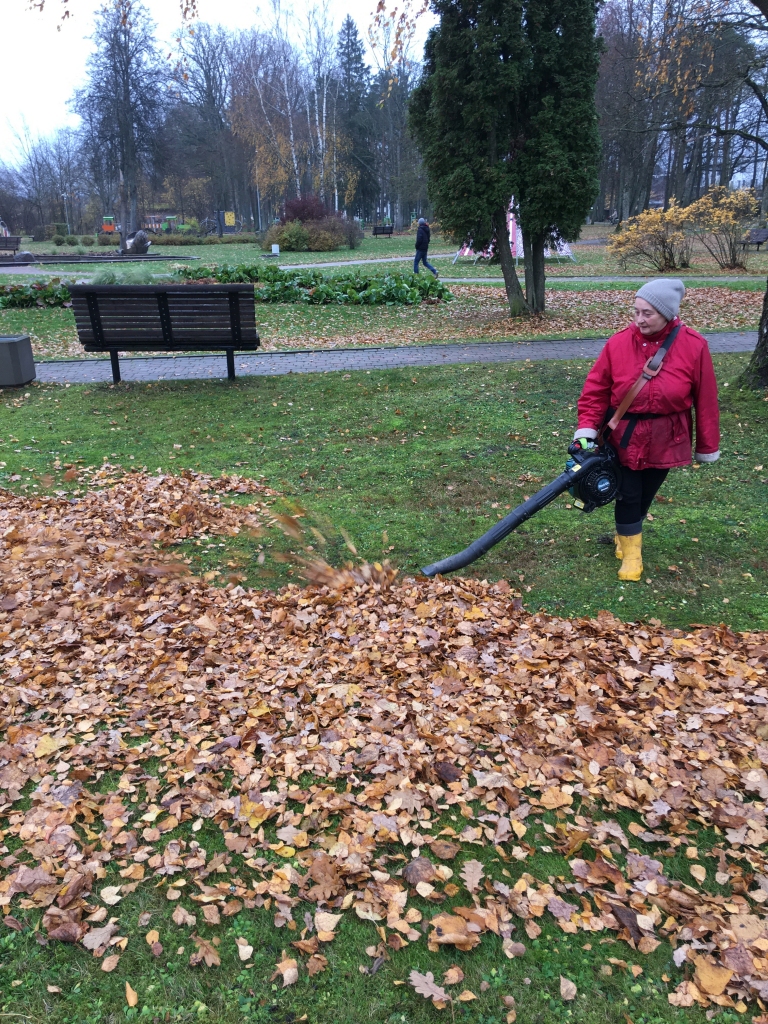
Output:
(506, 107)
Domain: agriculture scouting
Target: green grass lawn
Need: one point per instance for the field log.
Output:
(234, 252)
(170, 990)
(415, 463)
(590, 259)
(412, 465)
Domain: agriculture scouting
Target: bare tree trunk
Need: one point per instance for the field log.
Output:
(756, 373)
(533, 247)
(517, 304)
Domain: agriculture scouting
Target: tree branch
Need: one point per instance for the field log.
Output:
(761, 97)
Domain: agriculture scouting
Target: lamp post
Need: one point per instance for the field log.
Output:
(66, 215)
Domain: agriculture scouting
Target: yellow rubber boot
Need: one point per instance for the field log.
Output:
(632, 560)
(617, 542)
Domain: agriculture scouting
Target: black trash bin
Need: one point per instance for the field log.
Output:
(17, 366)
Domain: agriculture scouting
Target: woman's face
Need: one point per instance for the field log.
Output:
(648, 320)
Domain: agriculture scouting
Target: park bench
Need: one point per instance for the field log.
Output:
(166, 318)
(382, 229)
(11, 243)
(756, 237)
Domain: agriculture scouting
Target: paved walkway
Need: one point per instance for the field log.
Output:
(269, 364)
(551, 278)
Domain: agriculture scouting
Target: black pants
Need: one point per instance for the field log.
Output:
(638, 489)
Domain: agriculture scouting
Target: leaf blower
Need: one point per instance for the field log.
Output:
(593, 477)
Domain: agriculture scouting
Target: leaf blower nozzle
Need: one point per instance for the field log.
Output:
(594, 479)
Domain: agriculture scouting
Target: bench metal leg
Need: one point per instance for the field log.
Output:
(114, 359)
(231, 363)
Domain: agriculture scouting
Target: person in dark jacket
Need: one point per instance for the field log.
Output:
(656, 434)
(422, 245)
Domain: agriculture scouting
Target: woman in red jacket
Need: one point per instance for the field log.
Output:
(656, 433)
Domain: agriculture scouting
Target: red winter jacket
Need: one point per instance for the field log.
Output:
(686, 381)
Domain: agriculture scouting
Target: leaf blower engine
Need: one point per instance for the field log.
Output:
(593, 477)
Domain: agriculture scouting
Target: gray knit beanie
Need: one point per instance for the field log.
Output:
(422, 220)
(665, 294)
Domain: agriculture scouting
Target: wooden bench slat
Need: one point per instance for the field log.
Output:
(159, 347)
(165, 318)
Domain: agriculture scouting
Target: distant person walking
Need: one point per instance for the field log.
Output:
(422, 245)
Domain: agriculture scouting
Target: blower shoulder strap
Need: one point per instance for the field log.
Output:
(650, 370)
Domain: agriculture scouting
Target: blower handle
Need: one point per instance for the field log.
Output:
(504, 527)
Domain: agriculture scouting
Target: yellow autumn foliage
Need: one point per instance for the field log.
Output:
(720, 220)
(658, 239)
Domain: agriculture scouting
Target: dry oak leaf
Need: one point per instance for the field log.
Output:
(648, 944)
(308, 946)
(206, 622)
(316, 964)
(244, 950)
(366, 912)
(64, 925)
(453, 976)
(473, 874)
(532, 930)
(181, 916)
(205, 951)
(325, 924)
(109, 963)
(426, 986)
(567, 989)
(447, 772)
(686, 994)
(98, 938)
(289, 969)
(211, 914)
(553, 798)
(420, 869)
(444, 850)
(709, 977)
(747, 927)
(513, 949)
(451, 930)
(131, 995)
(29, 880)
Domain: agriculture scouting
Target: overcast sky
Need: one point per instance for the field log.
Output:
(44, 58)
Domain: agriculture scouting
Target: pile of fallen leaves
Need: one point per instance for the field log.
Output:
(437, 718)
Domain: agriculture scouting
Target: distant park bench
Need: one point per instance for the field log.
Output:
(11, 243)
(382, 229)
(166, 318)
(756, 237)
